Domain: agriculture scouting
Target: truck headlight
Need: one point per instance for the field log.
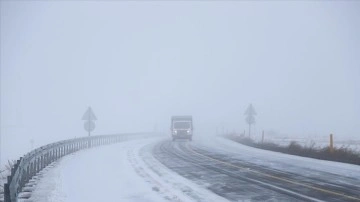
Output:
(188, 131)
(175, 131)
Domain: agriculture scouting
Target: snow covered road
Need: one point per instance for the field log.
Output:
(208, 169)
(238, 172)
(121, 172)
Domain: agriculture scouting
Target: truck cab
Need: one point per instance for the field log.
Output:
(181, 127)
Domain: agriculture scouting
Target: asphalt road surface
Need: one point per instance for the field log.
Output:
(239, 179)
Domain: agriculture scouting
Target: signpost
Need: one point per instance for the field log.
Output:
(250, 116)
(89, 118)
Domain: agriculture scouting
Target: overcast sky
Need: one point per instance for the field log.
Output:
(138, 63)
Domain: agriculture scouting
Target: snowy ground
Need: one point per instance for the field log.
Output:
(130, 171)
(278, 160)
(116, 173)
(313, 141)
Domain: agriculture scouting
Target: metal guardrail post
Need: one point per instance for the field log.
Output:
(40, 164)
(6, 193)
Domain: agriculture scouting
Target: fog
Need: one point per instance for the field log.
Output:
(138, 63)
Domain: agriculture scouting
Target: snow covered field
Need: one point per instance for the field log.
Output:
(316, 141)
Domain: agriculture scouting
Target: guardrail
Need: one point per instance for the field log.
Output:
(33, 162)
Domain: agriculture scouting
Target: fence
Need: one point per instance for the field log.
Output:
(33, 162)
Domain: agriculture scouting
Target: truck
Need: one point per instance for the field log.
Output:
(181, 127)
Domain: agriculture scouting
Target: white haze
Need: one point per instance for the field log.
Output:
(138, 63)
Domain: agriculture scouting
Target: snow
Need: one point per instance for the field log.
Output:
(317, 141)
(128, 171)
(121, 172)
(280, 161)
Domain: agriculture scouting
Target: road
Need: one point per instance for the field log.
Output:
(206, 169)
(126, 171)
(239, 179)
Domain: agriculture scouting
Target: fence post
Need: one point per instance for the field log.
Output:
(331, 144)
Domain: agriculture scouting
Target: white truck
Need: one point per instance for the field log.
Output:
(181, 127)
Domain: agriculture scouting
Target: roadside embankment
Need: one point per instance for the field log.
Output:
(339, 154)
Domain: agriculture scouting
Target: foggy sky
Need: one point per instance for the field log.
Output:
(138, 63)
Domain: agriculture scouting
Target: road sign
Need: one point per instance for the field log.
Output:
(89, 118)
(250, 111)
(89, 126)
(250, 119)
(89, 115)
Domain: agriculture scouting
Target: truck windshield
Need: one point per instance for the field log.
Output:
(182, 125)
